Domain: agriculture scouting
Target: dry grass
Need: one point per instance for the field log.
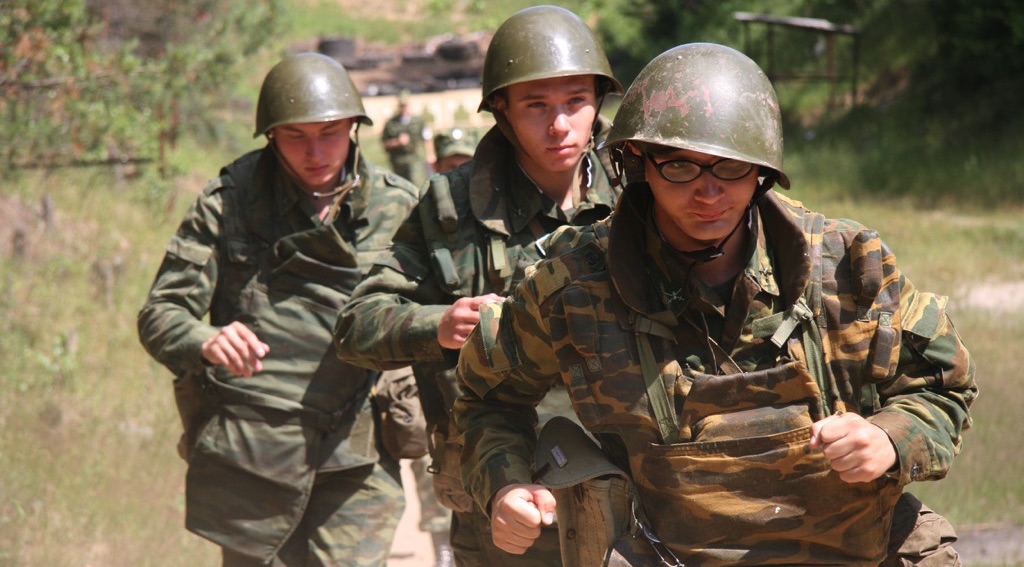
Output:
(89, 475)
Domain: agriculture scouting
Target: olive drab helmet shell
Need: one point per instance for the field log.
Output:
(540, 43)
(307, 87)
(706, 98)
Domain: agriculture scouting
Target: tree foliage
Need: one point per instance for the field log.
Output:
(114, 80)
(936, 108)
(952, 51)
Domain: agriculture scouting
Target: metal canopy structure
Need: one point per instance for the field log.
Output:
(814, 25)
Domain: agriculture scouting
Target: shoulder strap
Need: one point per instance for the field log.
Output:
(441, 192)
(643, 328)
(808, 312)
(815, 321)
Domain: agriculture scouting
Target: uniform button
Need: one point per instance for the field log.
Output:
(915, 471)
(593, 258)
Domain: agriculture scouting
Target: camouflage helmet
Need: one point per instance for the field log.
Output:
(454, 142)
(307, 87)
(706, 98)
(540, 43)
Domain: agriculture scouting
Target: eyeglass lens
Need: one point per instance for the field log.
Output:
(684, 170)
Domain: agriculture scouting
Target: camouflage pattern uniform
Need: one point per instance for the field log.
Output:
(731, 482)
(408, 160)
(475, 231)
(286, 463)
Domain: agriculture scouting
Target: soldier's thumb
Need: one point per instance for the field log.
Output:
(545, 503)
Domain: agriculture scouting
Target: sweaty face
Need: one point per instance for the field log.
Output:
(701, 212)
(552, 118)
(314, 151)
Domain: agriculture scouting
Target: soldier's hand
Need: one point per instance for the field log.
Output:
(236, 348)
(858, 450)
(517, 513)
(459, 320)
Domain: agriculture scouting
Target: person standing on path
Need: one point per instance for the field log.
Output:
(766, 379)
(403, 137)
(476, 231)
(283, 460)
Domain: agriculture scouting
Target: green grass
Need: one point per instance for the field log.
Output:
(88, 469)
(389, 22)
(952, 250)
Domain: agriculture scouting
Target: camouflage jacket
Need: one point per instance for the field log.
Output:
(475, 231)
(889, 349)
(252, 246)
(414, 127)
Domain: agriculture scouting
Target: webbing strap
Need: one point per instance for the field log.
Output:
(797, 314)
(723, 361)
(447, 217)
(643, 328)
(813, 351)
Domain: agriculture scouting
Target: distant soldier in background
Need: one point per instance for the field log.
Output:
(403, 137)
(284, 467)
(476, 231)
(453, 148)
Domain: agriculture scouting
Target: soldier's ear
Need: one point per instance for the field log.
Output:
(498, 102)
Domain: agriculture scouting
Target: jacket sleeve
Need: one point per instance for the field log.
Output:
(506, 367)
(925, 405)
(392, 318)
(170, 323)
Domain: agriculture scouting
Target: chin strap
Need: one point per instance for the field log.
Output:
(356, 181)
(716, 251)
(710, 253)
(341, 190)
(585, 164)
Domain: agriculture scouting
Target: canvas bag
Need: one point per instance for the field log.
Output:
(402, 426)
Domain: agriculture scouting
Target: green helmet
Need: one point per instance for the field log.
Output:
(706, 98)
(454, 142)
(540, 43)
(307, 87)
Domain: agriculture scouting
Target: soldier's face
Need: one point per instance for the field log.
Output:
(315, 151)
(700, 212)
(552, 118)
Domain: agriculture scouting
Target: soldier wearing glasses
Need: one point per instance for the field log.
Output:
(765, 378)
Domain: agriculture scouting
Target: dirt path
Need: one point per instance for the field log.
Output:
(412, 548)
(991, 545)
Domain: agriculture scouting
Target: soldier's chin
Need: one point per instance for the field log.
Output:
(319, 183)
(564, 163)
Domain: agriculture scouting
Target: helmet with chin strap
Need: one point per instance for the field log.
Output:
(706, 98)
(307, 87)
(543, 42)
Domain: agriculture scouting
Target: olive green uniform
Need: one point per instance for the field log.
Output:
(475, 231)
(285, 465)
(409, 160)
(724, 477)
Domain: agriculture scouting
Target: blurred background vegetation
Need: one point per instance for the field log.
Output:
(113, 113)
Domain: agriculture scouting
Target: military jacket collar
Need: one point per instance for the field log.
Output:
(287, 193)
(505, 200)
(779, 264)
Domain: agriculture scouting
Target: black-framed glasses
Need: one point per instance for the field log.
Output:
(684, 170)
